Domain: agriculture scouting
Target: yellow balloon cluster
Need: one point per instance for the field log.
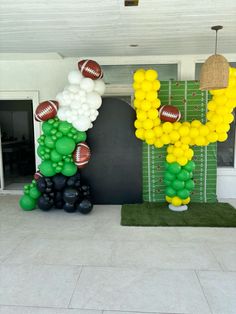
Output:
(181, 135)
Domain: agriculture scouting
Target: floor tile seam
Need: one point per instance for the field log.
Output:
(222, 267)
(75, 287)
(129, 267)
(203, 291)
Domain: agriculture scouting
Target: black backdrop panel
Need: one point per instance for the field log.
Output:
(115, 168)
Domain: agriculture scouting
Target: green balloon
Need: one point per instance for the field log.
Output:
(53, 131)
(166, 165)
(47, 169)
(55, 156)
(64, 127)
(27, 202)
(170, 191)
(47, 127)
(174, 168)
(183, 194)
(190, 166)
(59, 134)
(34, 193)
(49, 142)
(80, 137)
(178, 185)
(169, 176)
(65, 145)
(167, 182)
(41, 151)
(189, 185)
(69, 169)
(183, 175)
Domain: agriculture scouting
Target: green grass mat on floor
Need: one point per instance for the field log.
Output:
(198, 215)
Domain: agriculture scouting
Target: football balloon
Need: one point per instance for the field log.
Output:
(81, 155)
(169, 113)
(90, 69)
(46, 110)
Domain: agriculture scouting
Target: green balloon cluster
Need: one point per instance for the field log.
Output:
(30, 197)
(56, 146)
(178, 179)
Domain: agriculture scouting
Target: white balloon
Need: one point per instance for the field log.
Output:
(82, 123)
(75, 104)
(74, 77)
(94, 100)
(91, 125)
(82, 93)
(92, 111)
(61, 114)
(93, 117)
(87, 84)
(73, 88)
(85, 106)
(99, 87)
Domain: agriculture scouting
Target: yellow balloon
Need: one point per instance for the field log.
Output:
(174, 136)
(212, 137)
(176, 201)
(165, 139)
(146, 86)
(136, 85)
(203, 130)
(186, 140)
(151, 75)
(200, 141)
(152, 114)
(230, 92)
(158, 131)
(139, 75)
(228, 118)
(168, 199)
(217, 92)
(178, 144)
(146, 105)
(157, 122)
(170, 149)
(196, 124)
(176, 125)
(141, 115)
(149, 134)
(193, 133)
(167, 127)
(152, 95)
(186, 201)
(211, 105)
(170, 158)
(183, 130)
(222, 110)
(147, 124)
(139, 94)
(185, 146)
(138, 124)
(150, 141)
(221, 100)
(156, 103)
(156, 85)
(189, 154)
(222, 137)
(158, 144)
(211, 126)
(222, 128)
(178, 152)
(140, 134)
(182, 160)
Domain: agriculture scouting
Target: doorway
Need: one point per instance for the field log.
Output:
(115, 169)
(17, 143)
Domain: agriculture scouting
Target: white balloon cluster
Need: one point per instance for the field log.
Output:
(80, 100)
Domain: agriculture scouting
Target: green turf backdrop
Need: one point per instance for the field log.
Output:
(193, 105)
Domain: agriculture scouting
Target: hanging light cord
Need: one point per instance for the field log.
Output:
(216, 28)
(216, 41)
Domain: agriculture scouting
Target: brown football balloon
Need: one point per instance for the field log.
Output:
(81, 155)
(46, 110)
(168, 113)
(90, 69)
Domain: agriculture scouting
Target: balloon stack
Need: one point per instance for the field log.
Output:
(162, 127)
(62, 146)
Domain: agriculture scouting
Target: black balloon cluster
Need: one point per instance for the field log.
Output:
(63, 192)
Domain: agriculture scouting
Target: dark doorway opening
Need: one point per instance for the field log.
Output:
(17, 142)
(115, 169)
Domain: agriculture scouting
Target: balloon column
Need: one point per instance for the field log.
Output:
(62, 146)
(161, 127)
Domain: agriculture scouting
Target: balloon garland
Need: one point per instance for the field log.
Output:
(180, 136)
(62, 146)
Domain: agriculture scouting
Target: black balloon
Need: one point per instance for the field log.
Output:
(70, 195)
(44, 203)
(41, 184)
(59, 204)
(69, 208)
(59, 181)
(85, 206)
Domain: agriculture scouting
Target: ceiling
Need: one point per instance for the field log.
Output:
(107, 28)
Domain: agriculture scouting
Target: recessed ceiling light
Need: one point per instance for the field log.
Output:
(131, 3)
(133, 45)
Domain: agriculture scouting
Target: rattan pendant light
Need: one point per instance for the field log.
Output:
(215, 71)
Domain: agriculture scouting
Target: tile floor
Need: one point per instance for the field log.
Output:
(59, 263)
